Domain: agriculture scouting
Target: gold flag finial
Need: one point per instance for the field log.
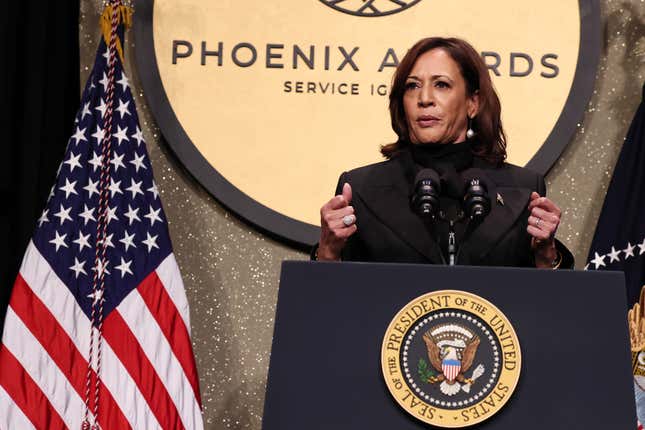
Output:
(124, 16)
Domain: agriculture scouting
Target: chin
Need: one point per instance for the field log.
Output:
(430, 135)
(429, 140)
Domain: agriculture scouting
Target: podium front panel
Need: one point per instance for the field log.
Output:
(325, 369)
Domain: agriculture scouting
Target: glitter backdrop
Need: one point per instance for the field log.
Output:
(231, 272)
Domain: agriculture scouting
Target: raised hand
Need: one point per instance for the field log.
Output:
(337, 224)
(543, 222)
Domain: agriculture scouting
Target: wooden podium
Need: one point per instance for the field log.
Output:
(325, 370)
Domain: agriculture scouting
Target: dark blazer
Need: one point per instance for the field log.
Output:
(389, 231)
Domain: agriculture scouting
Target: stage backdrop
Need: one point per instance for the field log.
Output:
(231, 271)
(296, 92)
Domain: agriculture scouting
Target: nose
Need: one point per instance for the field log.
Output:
(426, 97)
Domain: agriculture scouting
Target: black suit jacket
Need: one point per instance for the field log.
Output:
(389, 231)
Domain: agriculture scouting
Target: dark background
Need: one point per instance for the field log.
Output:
(40, 94)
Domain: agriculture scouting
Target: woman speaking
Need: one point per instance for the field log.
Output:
(444, 195)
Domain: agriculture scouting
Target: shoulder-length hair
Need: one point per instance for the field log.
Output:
(491, 140)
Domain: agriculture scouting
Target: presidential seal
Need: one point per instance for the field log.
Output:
(451, 359)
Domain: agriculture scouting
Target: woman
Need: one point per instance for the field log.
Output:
(446, 115)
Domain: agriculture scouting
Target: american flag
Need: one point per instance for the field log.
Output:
(619, 240)
(147, 375)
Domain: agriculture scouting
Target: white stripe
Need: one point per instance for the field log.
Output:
(168, 273)
(154, 344)
(11, 416)
(39, 365)
(56, 296)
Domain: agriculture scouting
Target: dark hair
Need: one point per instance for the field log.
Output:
(491, 140)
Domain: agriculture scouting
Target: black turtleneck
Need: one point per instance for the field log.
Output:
(440, 156)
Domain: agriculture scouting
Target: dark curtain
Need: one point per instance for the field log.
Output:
(39, 72)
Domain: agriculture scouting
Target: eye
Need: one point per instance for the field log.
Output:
(411, 85)
(442, 84)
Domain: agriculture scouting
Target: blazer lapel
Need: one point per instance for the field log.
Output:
(499, 221)
(386, 195)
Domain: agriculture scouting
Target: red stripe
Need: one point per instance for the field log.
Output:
(26, 394)
(165, 312)
(451, 371)
(127, 348)
(51, 335)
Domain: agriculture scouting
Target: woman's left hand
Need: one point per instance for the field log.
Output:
(543, 222)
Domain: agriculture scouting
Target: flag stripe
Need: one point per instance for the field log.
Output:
(57, 297)
(126, 392)
(168, 272)
(169, 319)
(125, 345)
(48, 380)
(26, 394)
(46, 285)
(35, 315)
(145, 329)
(11, 414)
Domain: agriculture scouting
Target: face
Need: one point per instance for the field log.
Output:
(436, 102)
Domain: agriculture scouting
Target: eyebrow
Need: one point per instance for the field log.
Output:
(433, 77)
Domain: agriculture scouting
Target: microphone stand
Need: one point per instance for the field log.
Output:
(453, 249)
(452, 243)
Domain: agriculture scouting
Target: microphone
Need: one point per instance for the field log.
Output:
(425, 197)
(476, 202)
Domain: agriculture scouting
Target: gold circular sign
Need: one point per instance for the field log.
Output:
(451, 358)
(266, 103)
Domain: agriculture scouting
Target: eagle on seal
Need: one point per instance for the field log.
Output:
(450, 360)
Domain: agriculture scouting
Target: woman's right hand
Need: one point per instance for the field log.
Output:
(335, 227)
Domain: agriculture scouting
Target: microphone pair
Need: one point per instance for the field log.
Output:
(471, 186)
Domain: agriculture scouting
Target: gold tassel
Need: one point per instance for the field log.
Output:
(636, 323)
(124, 16)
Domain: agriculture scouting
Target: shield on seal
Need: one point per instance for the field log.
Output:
(451, 369)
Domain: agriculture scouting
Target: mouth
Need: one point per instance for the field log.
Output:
(427, 120)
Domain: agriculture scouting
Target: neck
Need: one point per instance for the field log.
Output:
(458, 155)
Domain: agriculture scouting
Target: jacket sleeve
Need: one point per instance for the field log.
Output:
(354, 249)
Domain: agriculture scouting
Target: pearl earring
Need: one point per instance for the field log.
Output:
(470, 133)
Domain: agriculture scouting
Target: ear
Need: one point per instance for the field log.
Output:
(472, 104)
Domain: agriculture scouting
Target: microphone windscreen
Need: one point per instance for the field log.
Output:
(428, 174)
(425, 197)
(477, 194)
(476, 174)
